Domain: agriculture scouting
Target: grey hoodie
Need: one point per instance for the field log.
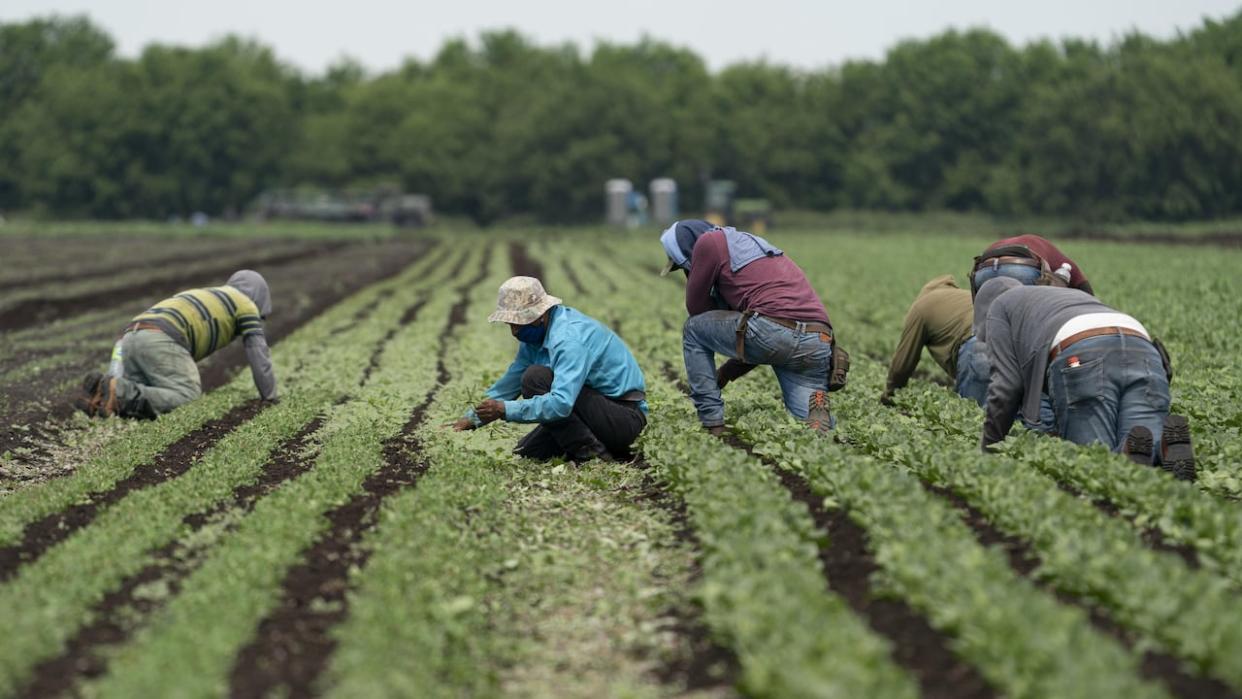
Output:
(1021, 323)
(254, 286)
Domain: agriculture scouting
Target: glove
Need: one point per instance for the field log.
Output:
(731, 370)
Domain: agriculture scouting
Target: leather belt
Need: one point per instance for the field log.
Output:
(1094, 332)
(140, 325)
(1008, 260)
(825, 331)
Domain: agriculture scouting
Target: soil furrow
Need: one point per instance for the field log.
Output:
(179, 457)
(572, 276)
(121, 612)
(293, 643)
(523, 265)
(1155, 666)
(34, 311)
(848, 565)
(707, 664)
(61, 277)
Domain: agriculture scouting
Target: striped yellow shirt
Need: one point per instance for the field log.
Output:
(206, 319)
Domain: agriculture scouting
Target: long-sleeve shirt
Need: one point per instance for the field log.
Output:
(771, 286)
(1021, 324)
(1050, 253)
(581, 351)
(205, 320)
(940, 320)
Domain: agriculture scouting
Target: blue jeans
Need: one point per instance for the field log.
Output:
(974, 371)
(1027, 275)
(800, 360)
(1118, 384)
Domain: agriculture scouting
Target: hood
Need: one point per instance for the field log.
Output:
(254, 286)
(983, 301)
(678, 240)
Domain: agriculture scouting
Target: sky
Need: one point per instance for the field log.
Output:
(806, 34)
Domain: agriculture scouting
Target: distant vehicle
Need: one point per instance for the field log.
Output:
(351, 206)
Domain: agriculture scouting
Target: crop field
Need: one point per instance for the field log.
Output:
(344, 543)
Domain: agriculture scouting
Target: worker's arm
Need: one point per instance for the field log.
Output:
(710, 252)
(509, 385)
(909, 351)
(569, 369)
(260, 358)
(1005, 385)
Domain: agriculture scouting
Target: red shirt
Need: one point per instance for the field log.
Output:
(770, 286)
(1051, 254)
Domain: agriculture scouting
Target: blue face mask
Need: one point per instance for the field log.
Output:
(532, 334)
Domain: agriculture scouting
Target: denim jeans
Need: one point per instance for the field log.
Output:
(800, 360)
(158, 374)
(1103, 386)
(973, 371)
(598, 424)
(1027, 275)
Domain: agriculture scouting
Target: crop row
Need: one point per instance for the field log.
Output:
(1083, 551)
(194, 639)
(49, 598)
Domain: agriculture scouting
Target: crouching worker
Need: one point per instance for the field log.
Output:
(156, 369)
(750, 303)
(1108, 380)
(576, 378)
(940, 319)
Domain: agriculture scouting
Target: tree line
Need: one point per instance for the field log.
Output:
(500, 127)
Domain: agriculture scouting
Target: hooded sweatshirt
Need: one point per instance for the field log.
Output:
(205, 320)
(1021, 322)
(940, 320)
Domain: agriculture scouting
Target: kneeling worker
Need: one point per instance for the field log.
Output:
(577, 379)
(156, 370)
(1108, 380)
(749, 302)
(940, 319)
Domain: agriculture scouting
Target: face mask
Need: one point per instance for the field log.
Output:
(532, 334)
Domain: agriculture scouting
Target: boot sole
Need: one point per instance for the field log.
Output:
(1139, 446)
(1179, 456)
(818, 416)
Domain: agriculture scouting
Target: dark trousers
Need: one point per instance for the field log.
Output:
(598, 424)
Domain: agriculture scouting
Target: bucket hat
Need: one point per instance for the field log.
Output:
(521, 301)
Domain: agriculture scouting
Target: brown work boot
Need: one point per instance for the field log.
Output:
(818, 416)
(715, 430)
(1138, 445)
(1176, 454)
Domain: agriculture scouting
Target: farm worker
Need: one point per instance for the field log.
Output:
(750, 303)
(575, 377)
(1109, 381)
(1031, 260)
(160, 347)
(940, 319)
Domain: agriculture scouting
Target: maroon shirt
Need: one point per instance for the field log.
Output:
(770, 286)
(1053, 256)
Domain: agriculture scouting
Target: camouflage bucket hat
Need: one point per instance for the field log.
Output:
(521, 301)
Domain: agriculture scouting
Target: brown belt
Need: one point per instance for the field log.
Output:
(1008, 260)
(1093, 332)
(825, 331)
(140, 325)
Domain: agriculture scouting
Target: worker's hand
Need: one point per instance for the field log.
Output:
(730, 370)
(490, 410)
(461, 425)
(886, 398)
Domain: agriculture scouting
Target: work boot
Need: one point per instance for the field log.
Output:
(1176, 455)
(1138, 446)
(715, 430)
(818, 416)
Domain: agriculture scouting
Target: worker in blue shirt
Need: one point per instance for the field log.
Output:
(576, 379)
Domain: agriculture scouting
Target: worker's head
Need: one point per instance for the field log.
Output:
(988, 293)
(678, 241)
(524, 305)
(254, 286)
